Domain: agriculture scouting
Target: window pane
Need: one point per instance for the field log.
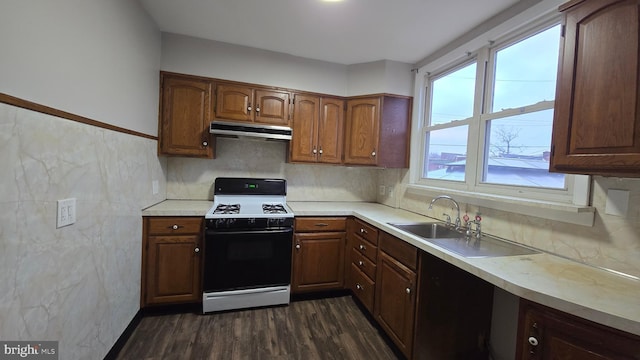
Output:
(526, 71)
(518, 151)
(452, 96)
(446, 153)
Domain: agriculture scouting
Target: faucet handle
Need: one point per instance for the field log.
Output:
(448, 218)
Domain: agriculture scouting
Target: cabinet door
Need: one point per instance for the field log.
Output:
(234, 103)
(549, 334)
(173, 269)
(185, 117)
(362, 131)
(330, 130)
(303, 144)
(272, 107)
(318, 261)
(395, 301)
(597, 117)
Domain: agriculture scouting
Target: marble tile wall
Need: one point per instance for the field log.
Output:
(193, 178)
(80, 284)
(613, 242)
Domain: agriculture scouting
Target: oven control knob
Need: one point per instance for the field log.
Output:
(252, 220)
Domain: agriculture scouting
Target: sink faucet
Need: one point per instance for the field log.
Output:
(454, 203)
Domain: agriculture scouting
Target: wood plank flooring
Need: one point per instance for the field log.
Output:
(329, 328)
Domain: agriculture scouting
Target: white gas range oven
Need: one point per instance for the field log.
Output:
(247, 248)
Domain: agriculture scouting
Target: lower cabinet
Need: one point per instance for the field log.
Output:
(171, 260)
(318, 254)
(545, 333)
(453, 312)
(396, 290)
(362, 245)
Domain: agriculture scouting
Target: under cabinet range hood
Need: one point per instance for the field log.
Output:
(257, 131)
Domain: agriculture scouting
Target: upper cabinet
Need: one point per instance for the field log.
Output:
(377, 131)
(185, 114)
(318, 126)
(248, 104)
(596, 126)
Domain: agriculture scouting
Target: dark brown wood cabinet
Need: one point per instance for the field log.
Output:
(318, 254)
(596, 126)
(362, 259)
(453, 312)
(318, 127)
(171, 260)
(545, 333)
(235, 102)
(396, 290)
(185, 114)
(377, 131)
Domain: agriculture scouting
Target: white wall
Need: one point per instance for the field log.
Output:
(189, 55)
(384, 76)
(80, 284)
(97, 59)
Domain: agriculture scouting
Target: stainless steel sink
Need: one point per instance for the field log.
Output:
(455, 241)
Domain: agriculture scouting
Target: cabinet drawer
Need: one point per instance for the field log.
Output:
(362, 287)
(367, 231)
(174, 225)
(365, 248)
(365, 265)
(316, 224)
(405, 253)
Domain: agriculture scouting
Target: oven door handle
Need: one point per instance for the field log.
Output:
(257, 232)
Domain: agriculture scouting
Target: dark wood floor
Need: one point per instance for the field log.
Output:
(329, 328)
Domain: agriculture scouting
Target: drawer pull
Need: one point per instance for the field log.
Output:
(322, 224)
(362, 247)
(361, 263)
(359, 287)
(175, 227)
(533, 341)
(408, 290)
(196, 250)
(363, 231)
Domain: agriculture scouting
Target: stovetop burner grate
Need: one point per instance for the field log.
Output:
(227, 209)
(273, 209)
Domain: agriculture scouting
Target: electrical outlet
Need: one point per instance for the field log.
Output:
(381, 189)
(390, 190)
(66, 212)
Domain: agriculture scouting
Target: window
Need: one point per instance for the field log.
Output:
(488, 120)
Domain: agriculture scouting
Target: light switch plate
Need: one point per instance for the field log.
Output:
(381, 189)
(617, 202)
(155, 187)
(66, 214)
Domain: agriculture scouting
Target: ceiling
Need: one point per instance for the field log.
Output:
(346, 32)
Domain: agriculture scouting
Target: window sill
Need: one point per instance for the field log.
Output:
(568, 213)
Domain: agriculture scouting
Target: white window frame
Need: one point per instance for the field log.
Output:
(569, 205)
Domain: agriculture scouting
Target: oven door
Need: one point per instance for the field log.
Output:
(246, 259)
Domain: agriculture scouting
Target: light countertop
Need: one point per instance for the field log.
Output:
(592, 293)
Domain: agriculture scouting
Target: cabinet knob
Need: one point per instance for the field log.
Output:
(362, 247)
(408, 290)
(363, 231)
(320, 151)
(196, 250)
(249, 107)
(315, 151)
(205, 144)
(373, 153)
(258, 109)
(361, 263)
(533, 341)
(175, 227)
(297, 246)
(359, 287)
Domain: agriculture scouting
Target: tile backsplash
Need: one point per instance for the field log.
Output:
(193, 178)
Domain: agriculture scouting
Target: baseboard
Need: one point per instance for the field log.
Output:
(126, 334)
